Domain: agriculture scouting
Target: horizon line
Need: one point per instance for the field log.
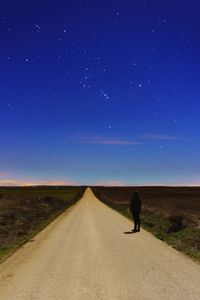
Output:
(100, 185)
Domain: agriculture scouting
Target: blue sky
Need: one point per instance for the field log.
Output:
(100, 92)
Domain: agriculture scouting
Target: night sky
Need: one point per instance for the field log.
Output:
(100, 92)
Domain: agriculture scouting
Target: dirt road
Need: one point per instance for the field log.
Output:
(85, 254)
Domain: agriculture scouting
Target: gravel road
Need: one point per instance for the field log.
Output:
(85, 254)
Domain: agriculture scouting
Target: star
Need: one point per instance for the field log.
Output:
(134, 64)
(38, 28)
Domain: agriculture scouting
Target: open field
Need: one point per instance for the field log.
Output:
(87, 253)
(172, 214)
(24, 211)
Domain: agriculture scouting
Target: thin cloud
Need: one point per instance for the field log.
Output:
(110, 183)
(105, 141)
(14, 182)
(62, 182)
(163, 137)
(5, 173)
(9, 182)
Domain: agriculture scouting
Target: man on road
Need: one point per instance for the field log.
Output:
(135, 208)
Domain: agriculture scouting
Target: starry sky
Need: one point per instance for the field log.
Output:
(100, 92)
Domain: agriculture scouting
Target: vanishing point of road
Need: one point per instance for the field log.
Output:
(85, 255)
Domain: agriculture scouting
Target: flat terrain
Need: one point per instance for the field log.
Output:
(90, 253)
(165, 201)
(172, 214)
(24, 211)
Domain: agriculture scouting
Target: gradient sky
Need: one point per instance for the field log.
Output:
(100, 92)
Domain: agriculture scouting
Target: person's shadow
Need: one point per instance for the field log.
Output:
(129, 232)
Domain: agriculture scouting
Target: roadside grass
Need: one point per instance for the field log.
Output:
(25, 211)
(185, 239)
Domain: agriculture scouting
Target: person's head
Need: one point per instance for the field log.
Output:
(136, 193)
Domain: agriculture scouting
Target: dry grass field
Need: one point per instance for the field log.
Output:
(172, 214)
(24, 211)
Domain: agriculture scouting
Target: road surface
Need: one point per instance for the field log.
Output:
(86, 255)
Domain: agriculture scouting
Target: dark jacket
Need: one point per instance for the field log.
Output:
(135, 204)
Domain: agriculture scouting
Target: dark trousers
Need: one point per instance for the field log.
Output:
(136, 219)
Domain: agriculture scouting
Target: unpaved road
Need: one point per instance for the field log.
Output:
(85, 254)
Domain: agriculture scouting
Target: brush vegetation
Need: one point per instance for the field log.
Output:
(24, 211)
(172, 214)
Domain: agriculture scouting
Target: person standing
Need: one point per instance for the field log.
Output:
(135, 208)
